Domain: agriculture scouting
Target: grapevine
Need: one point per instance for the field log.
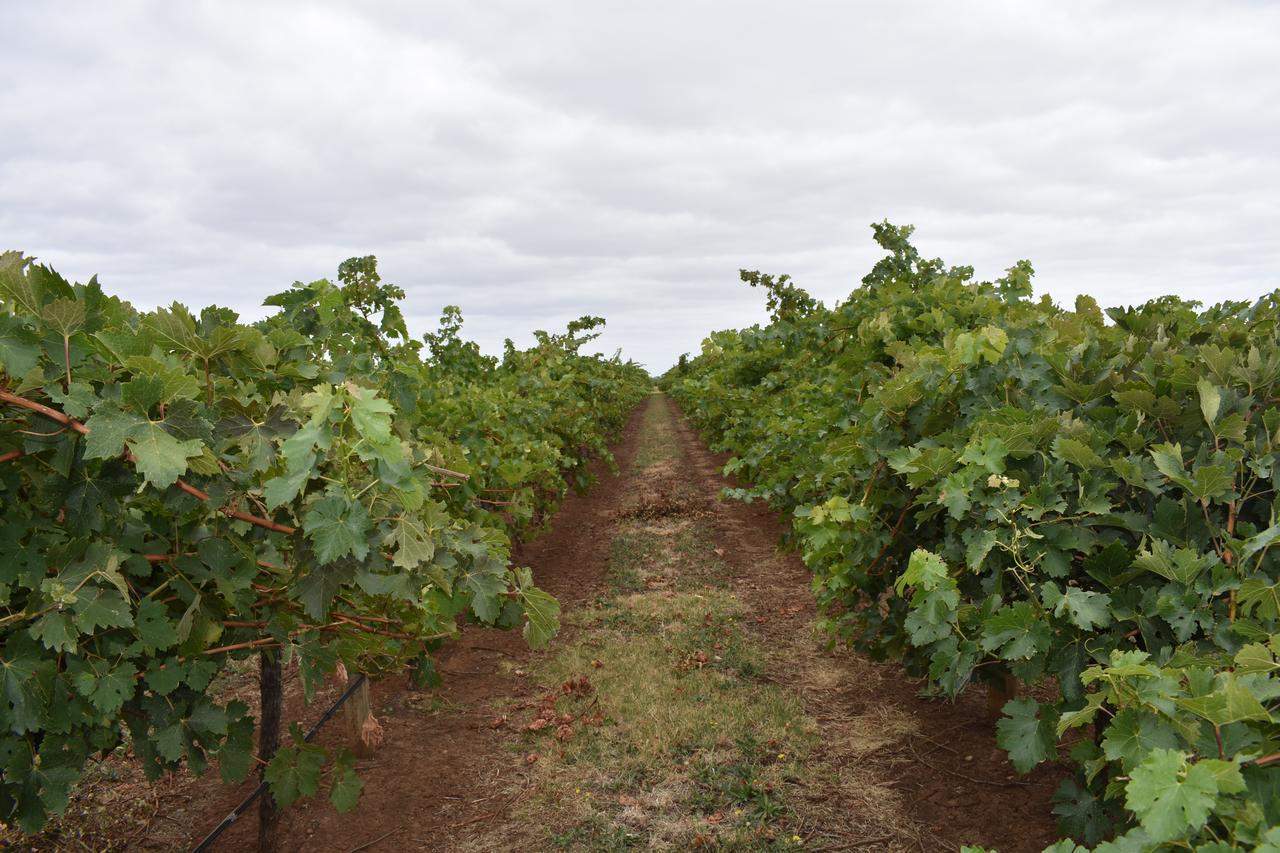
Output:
(990, 487)
(181, 490)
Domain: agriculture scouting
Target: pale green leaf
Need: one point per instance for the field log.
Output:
(412, 541)
(1210, 400)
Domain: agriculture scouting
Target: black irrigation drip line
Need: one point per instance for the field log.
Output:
(262, 786)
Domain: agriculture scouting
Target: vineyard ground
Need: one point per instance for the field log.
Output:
(687, 701)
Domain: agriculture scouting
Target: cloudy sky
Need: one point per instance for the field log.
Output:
(532, 162)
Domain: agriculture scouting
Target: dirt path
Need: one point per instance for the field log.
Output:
(688, 702)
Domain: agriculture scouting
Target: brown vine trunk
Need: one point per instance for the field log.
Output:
(999, 691)
(270, 686)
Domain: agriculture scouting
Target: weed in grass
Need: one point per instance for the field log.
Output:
(596, 833)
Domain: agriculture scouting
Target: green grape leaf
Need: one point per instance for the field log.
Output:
(295, 771)
(1028, 737)
(19, 347)
(156, 382)
(1210, 400)
(164, 678)
(170, 742)
(1136, 399)
(18, 286)
(931, 616)
(1182, 565)
(174, 327)
(1170, 797)
(1015, 632)
(101, 608)
(76, 402)
(299, 449)
(337, 527)
(488, 587)
(1077, 453)
(200, 673)
(542, 615)
(1231, 702)
(155, 629)
(24, 683)
(345, 790)
(1260, 542)
(1209, 482)
(159, 457)
(412, 542)
(109, 428)
(1168, 460)
(989, 455)
(64, 316)
(235, 756)
(1081, 716)
(208, 718)
(279, 491)
(925, 570)
(317, 587)
(954, 494)
(1082, 814)
(1133, 734)
(108, 691)
(1258, 595)
(1086, 609)
(396, 584)
(1255, 658)
(55, 631)
(370, 415)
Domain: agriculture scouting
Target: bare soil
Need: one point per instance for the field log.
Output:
(929, 774)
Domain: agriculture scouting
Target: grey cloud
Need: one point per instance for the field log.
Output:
(535, 162)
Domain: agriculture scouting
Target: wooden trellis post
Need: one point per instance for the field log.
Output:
(364, 734)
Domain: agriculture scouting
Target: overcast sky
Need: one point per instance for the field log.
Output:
(533, 162)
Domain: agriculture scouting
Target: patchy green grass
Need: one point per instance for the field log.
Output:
(672, 740)
(678, 556)
(657, 438)
(700, 562)
(632, 557)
